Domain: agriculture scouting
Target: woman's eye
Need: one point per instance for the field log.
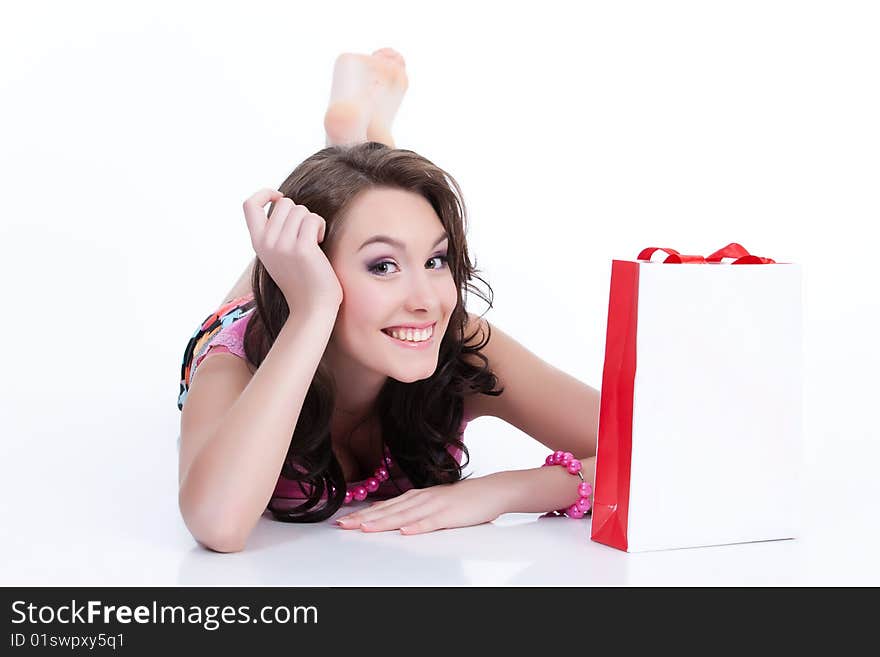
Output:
(380, 268)
(377, 268)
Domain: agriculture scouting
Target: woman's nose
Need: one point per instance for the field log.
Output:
(423, 292)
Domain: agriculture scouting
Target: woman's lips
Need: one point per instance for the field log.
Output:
(407, 344)
(403, 327)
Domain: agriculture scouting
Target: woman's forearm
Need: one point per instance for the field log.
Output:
(542, 489)
(231, 480)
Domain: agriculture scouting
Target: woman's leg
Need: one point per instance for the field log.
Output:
(364, 97)
(242, 285)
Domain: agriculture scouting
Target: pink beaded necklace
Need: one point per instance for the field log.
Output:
(371, 484)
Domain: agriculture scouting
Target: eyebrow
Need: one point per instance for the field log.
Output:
(393, 242)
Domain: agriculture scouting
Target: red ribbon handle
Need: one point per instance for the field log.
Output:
(732, 250)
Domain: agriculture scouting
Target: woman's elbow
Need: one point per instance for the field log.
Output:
(216, 536)
(218, 540)
(223, 545)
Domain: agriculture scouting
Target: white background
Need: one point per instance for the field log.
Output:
(580, 132)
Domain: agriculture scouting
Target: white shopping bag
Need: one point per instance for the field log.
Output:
(701, 414)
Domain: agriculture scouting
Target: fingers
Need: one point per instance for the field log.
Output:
(254, 215)
(281, 231)
(300, 227)
(396, 520)
(382, 505)
(384, 515)
(284, 211)
(313, 228)
(287, 222)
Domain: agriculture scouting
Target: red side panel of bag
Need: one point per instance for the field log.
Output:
(614, 449)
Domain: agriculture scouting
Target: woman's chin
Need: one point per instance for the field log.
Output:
(413, 375)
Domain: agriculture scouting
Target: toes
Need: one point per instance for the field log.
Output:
(351, 65)
(390, 53)
(346, 58)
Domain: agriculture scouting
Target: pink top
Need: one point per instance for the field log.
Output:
(230, 339)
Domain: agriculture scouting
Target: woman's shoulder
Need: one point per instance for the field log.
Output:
(221, 332)
(233, 317)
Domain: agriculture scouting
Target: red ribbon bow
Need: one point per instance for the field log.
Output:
(732, 250)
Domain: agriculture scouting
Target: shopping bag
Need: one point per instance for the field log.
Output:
(700, 418)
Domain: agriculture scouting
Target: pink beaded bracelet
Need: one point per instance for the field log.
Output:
(580, 508)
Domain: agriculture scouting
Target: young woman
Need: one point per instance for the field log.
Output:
(343, 364)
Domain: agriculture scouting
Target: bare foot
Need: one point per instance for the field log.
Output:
(387, 102)
(364, 97)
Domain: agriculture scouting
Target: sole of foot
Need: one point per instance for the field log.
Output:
(365, 95)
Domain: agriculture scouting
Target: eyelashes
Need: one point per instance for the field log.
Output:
(375, 269)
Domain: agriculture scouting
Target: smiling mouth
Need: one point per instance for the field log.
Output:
(412, 336)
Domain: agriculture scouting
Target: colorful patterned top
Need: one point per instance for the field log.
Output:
(223, 332)
(202, 340)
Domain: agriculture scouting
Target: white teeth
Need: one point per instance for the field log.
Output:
(412, 335)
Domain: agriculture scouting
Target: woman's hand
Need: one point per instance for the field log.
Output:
(287, 245)
(417, 511)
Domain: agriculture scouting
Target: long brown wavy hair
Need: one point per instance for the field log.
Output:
(420, 420)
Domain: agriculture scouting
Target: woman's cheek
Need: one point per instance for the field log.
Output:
(451, 295)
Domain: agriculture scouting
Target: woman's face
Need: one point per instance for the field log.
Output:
(387, 285)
